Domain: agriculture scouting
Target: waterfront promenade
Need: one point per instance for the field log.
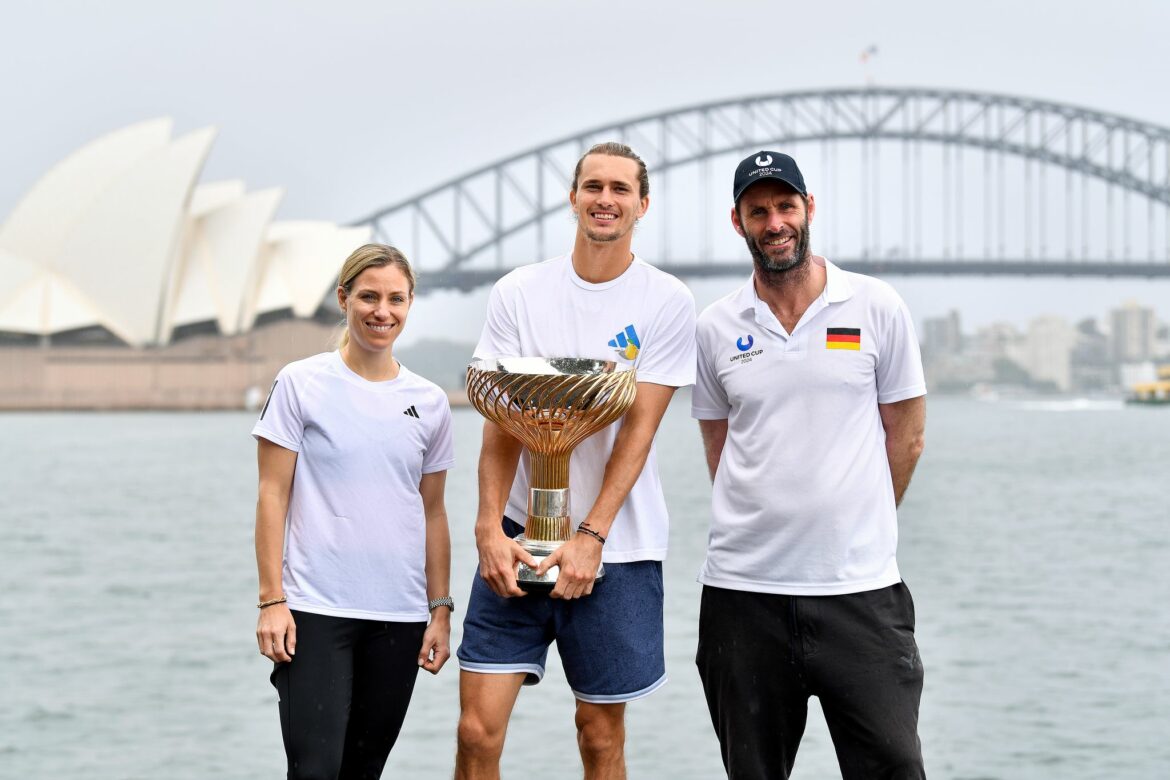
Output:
(199, 372)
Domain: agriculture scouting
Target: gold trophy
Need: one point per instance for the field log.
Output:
(550, 405)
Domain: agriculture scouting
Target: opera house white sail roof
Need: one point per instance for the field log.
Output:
(120, 235)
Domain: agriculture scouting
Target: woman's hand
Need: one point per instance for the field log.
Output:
(276, 633)
(436, 644)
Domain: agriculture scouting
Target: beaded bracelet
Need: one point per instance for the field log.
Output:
(584, 529)
(270, 602)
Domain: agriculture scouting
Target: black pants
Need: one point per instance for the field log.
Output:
(761, 656)
(344, 695)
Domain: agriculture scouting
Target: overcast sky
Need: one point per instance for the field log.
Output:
(351, 106)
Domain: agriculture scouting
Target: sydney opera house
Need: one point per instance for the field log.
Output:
(126, 282)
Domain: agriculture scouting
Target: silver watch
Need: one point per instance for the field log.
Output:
(444, 601)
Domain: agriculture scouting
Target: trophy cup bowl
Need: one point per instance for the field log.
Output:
(550, 405)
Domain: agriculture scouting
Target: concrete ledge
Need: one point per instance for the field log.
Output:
(202, 372)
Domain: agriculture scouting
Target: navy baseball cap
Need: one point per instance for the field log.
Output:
(768, 165)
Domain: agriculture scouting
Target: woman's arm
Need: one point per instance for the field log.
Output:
(436, 646)
(276, 633)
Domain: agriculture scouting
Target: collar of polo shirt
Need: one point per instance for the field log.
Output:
(837, 289)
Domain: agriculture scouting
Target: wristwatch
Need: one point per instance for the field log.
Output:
(445, 601)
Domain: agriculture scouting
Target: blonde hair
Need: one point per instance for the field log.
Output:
(370, 256)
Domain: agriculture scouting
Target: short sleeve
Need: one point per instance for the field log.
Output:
(280, 420)
(500, 336)
(709, 399)
(668, 354)
(899, 365)
(440, 454)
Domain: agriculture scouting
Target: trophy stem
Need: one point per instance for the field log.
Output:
(550, 471)
(549, 523)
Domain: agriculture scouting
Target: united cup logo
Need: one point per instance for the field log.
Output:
(763, 161)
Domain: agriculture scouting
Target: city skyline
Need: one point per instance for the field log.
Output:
(1049, 354)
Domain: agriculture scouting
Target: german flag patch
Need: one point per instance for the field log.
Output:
(843, 338)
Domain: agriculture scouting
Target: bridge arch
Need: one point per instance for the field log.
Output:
(453, 227)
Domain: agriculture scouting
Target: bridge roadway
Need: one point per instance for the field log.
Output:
(467, 279)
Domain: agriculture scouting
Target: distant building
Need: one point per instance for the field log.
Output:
(1001, 340)
(1049, 346)
(1137, 373)
(942, 335)
(1162, 343)
(1089, 364)
(1132, 331)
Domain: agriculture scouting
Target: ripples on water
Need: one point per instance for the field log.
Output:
(1033, 538)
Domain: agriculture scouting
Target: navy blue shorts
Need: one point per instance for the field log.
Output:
(610, 641)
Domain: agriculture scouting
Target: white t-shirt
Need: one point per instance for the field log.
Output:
(644, 318)
(355, 541)
(803, 502)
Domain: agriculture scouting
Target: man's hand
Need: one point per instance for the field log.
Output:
(578, 558)
(499, 557)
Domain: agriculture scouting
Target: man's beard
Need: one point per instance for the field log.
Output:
(603, 238)
(779, 271)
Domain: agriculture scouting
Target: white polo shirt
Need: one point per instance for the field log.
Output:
(644, 318)
(356, 530)
(803, 502)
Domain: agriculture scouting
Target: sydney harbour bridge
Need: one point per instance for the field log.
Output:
(906, 181)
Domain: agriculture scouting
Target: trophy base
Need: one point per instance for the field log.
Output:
(527, 578)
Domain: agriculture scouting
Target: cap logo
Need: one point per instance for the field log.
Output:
(762, 161)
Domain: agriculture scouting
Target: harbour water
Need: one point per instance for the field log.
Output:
(1034, 538)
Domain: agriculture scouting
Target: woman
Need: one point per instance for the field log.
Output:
(353, 453)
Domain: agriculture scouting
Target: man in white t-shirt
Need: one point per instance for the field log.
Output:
(601, 302)
(810, 401)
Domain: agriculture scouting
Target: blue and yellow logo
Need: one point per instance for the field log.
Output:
(627, 343)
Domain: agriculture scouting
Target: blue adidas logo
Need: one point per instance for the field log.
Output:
(627, 343)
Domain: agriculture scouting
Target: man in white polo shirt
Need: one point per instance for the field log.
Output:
(810, 400)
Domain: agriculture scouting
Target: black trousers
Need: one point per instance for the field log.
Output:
(761, 656)
(344, 695)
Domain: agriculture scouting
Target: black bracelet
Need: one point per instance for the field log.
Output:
(584, 529)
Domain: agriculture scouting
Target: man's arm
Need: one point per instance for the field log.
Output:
(714, 433)
(905, 424)
(580, 556)
(498, 554)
